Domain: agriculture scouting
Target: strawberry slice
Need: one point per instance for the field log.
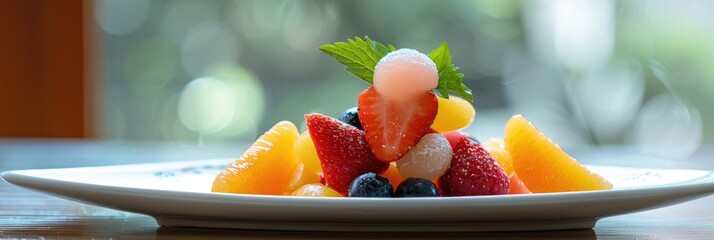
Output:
(393, 126)
(343, 151)
(473, 172)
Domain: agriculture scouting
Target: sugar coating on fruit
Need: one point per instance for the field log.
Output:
(497, 148)
(343, 151)
(473, 172)
(405, 72)
(428, 159)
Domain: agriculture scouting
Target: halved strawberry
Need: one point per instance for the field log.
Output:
(343, 151)
(473, 172)
(393, 126)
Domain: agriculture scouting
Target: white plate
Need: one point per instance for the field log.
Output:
(178, 194)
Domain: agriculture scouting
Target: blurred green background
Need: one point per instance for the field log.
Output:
(586, 72)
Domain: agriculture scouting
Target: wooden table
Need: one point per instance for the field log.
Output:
(27, 214)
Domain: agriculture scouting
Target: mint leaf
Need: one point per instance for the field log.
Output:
(360, 56)
(450, 79)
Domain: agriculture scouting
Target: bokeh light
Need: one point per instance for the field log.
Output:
(583, 32)
(587, 72)
(150, 66)
(249, 104)
(667, 127)
(259, 19)
(206, 105)
(498, 9)
(179, 17)
(613, 90)
(121, 16)
(304, 25)
(206, 45)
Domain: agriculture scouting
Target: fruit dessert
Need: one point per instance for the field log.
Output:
(403, 139)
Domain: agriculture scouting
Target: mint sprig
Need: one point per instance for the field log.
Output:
(360, 56)
(450, 79)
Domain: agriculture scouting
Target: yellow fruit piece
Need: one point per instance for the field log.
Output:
(454, 114)
(497, 149)
(392, 174)
(265, 167)
(315, 190)
(306, 153)
(300, 177)
(542, 165)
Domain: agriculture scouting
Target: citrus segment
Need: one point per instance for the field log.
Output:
(393, 175)
(516, 186)
(454, 114)
(265, 167)
(306, 152)
(315, 190)
(300, 177)
(542, 165)
(497, 149)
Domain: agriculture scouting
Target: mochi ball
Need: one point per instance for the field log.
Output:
(403, 73)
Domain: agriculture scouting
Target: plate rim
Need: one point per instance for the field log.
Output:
(77, 191)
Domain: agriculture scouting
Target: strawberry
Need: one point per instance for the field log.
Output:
(473, 172)
(343, 151)
(393, 126)
(454, 137)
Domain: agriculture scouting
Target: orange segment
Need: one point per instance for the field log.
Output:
(454, 114)
(315, 190)
(306, 152)
(497, 149)
(392, 174)
(265, 168)
(300, 177)
(516, 186)
(542, 165)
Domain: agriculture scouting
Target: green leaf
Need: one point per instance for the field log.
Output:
(450, 79)
(360, 56)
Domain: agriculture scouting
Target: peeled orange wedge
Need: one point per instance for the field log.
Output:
(306, 152)
(542, 165)
(454, 114)
(301, 176)
(266, 167)
(497, 149)
(392, 174)
(315, 190)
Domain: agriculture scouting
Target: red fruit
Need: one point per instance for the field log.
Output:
(321, 176)
(393, 126)
(343, 151)
(473, 172)
(454, 137)
(516, 185)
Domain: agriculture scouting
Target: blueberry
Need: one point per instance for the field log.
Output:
(370, 185)
(416, 187)
(350, 117)
(474, 139)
